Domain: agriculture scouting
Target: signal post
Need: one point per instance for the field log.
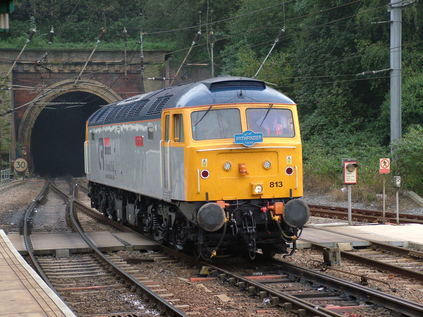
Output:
(384, 168)
(350, 178)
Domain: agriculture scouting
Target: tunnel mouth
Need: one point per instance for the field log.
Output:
(58, 135)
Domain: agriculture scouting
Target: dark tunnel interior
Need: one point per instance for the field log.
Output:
(57, 141)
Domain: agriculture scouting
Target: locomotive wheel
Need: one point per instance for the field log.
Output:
(147, 220)
(111, 210)
(180, 235)
(268, 252)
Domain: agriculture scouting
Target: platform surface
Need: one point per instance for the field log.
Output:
(329, 235)
(22, 292)
(325, 238)
(388, 233)
(48, 243)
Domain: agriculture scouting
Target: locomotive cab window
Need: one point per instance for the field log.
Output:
(271, 122)
(215, 124)
(178, 128)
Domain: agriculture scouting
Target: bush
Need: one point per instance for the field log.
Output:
(409, 159)
(323, 169)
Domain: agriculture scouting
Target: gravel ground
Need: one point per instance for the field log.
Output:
(206, 298)
(51, 215)
(14, 199)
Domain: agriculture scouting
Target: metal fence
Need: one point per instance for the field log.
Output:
(5, 176)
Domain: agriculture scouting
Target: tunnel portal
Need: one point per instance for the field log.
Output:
(57, 139)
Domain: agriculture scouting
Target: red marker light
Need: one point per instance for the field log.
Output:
(205, 174)
(289, 171)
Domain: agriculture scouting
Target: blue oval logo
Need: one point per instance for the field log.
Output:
(248, 138)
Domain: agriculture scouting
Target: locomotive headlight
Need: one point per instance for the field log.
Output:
(227, 166)
(267, 165)
(257, 189)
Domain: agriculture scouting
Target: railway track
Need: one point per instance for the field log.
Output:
(310, 293)
(310, 290)
(362, 215)
(398, 260)
(304, 292)
(95, 282)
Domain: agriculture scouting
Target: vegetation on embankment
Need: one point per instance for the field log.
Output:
(332, 58)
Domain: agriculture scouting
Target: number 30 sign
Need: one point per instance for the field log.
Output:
(20, 165)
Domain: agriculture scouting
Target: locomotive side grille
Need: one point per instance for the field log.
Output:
(157, 107)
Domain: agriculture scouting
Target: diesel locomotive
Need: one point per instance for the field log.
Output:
(213, 166)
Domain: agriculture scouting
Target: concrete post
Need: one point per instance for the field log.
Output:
(395, 84)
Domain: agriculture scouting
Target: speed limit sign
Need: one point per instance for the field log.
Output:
(20, 165)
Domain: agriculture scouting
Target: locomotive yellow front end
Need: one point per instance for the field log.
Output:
(244, 162)
(263, 162)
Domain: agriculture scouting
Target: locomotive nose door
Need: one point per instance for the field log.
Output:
(172, 156)
(165, 157)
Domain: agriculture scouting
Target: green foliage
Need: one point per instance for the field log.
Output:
(409, 162)
(131, 44)
(4, 124)
(318, 61)
(323, 169)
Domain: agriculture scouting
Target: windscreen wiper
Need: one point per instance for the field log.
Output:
(207, 111)
(267, 112)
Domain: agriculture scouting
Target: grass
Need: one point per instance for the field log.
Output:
(323, 171)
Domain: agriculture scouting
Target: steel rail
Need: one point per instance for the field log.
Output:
(400, 305)
(286, 301)
(384, 266)
(375, 263)
(165, 305)
(83, 188)
(27, 229)
(91, 212)
(362, 214)
(379, 264)
(277, 297)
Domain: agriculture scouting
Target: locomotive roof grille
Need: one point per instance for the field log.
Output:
(111, 115)
(94, 117)
(103, 115)
(157, 107)
(122, 114)
(237, 84)
(136, 109)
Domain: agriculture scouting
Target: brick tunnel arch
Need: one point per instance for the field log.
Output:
(44, 115)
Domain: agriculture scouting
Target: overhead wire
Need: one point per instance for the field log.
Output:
(219, 21)
(330, 22)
